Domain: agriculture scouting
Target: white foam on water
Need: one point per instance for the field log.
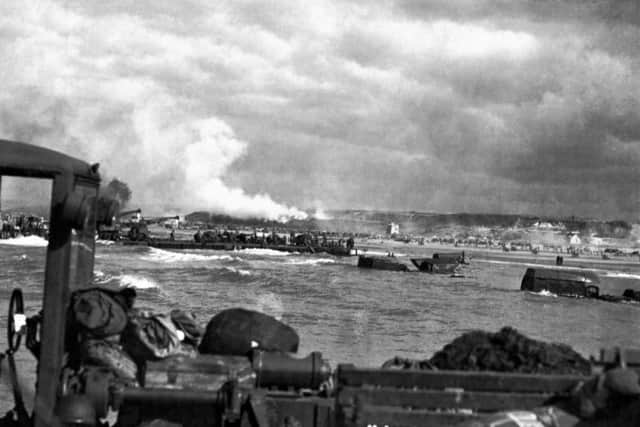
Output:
(105, 242)
(238, 271)
(264, 252)
(161, 255)
(545, 293)
(34, 241)
(311, 261)
(124, 280)
(379, 253)
(622, 275)
(135, 281)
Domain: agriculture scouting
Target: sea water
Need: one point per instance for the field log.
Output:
(351, 315)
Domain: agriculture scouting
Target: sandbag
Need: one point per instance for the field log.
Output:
(151, 337)
(110, 355)
(237, 331)
(98, 313)
(186, 322)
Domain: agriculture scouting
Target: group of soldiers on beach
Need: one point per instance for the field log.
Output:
(273, 238)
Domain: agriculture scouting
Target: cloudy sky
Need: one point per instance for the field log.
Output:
(266, 108)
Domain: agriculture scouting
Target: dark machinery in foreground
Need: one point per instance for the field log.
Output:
(257, 389)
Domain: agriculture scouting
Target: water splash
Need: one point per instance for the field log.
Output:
(545, 293)
(160, 255)
(239, 271)
(33, 241)
(311, 261)
(124, 281)
(264, 252)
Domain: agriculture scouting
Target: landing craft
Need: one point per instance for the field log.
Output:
(259, 388)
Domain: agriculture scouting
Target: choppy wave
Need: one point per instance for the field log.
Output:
(264, 252)
(34, 241)
(545, 293)
(238, 271)
(105, 242)
(622, 275)
(311, 261)
(161, 255)
(380, 253)
(124, 280)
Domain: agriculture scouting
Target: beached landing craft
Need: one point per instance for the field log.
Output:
(571, 283)
(258, 387)
(437, 264)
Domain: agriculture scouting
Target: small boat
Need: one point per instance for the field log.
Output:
(384, 263)
(436, 265)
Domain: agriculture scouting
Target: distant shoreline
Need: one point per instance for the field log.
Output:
(626, 264)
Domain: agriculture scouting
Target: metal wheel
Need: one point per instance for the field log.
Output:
(16, 307)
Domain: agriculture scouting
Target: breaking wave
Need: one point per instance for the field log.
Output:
(264, 252)
(138, 282)
(238, 271)
(545, 293)
(124, 280)
(622, 275)
(160, 255)
(311, 261)
(34, 241)
(380, 253)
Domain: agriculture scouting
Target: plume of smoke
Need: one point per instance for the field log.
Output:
(113, 100)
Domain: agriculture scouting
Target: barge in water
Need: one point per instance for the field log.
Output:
(425, 265)
(231, 246)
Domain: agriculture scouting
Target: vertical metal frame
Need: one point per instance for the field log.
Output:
(56, 294)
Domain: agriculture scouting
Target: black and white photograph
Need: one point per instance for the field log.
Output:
(323, 213)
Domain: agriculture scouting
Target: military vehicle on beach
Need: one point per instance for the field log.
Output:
(112, 229)
(261, 387)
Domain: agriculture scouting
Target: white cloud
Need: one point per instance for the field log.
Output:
(325, 94)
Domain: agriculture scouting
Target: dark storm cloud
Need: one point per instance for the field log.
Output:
(475, 105)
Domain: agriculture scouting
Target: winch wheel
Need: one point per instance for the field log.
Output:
(16, 321)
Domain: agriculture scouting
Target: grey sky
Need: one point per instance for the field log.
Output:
(520, 106)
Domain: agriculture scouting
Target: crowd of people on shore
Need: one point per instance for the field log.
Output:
(276, 239)
(12, 226)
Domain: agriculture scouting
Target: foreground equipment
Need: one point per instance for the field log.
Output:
(259, 388)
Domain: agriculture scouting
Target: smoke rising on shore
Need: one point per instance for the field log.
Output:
(249, 108)
(100, 89)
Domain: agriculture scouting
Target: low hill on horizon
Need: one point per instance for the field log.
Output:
(421, 223)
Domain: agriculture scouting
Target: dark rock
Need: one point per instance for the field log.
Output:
(509, 351)
(504, 351)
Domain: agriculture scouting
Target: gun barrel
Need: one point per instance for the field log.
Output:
(282, 371)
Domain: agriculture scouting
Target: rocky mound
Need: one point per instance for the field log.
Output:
(504, 351)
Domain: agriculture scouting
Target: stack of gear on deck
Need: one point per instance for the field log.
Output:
(106, 330)
(237, 331)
